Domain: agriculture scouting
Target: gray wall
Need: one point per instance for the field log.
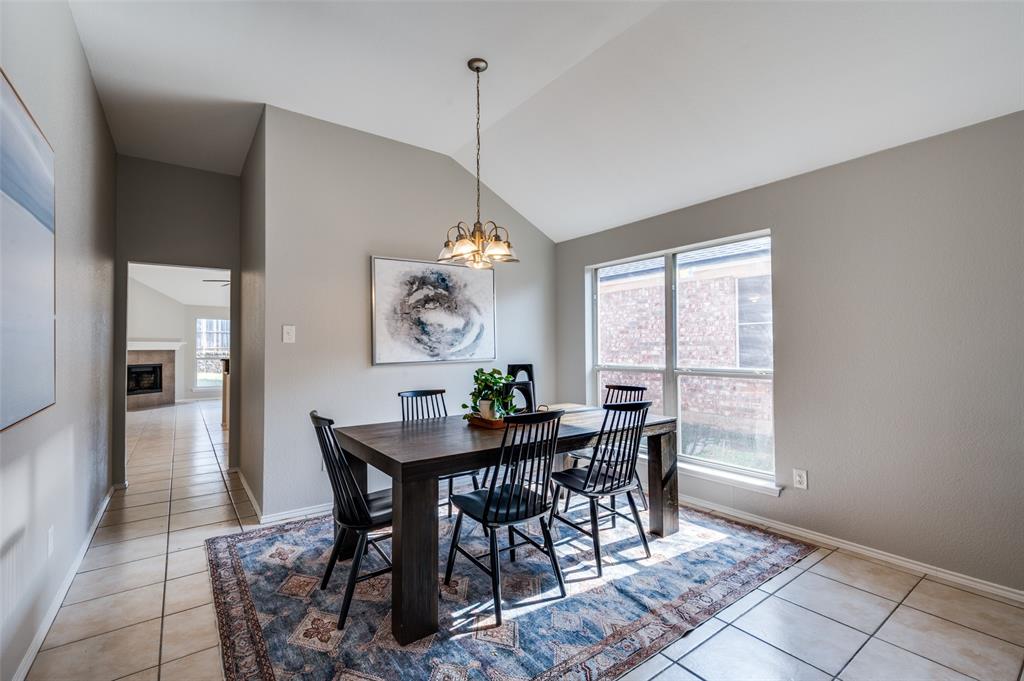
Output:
(251, 372)
(170, 215)
(899, 343)
(55, 466)
(334, 197)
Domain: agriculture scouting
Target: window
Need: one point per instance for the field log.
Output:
(213, 342)
(716, 326)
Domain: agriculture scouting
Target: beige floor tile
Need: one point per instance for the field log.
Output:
(159, 467)
(114, 579)
(123, 552)
(733, 655)
(100, 615)
(978, 592)
(234, 482)
(884, 563)
(811, 637)
(197, 536)
(250, 523)
(741, 606)
(152, 476)
(132, 530)
(196, 479)
(648, 669)
(851, 606)
(189, 632)
(142, 488)
(878, 579)
(245, 509)
(977, 612)
(187, 592)
(203, 501)
(676, 672)
(239, 495)
(101, 658)
(693, 639)
(205, 665)
(133, 513)
(197, 490)
(151, 674)
(201, 444)
(806, 562)
(138, 500)
(965, 650)
(205, 516)
(780, 580)
(881, 661)
(186, 562)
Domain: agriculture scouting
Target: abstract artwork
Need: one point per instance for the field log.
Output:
(27, 304)
(430, 312)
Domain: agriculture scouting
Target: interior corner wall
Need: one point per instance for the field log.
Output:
(250, 375)
(171, 215)
(55, 465)
(154, 316)
(898, 281)
(334, 197)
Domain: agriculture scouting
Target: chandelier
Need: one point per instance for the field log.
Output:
(485, 243)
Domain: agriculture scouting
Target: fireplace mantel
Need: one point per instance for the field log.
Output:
(155, 345)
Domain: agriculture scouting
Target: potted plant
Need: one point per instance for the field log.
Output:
(491, 397)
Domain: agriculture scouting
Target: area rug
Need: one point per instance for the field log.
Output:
(276, 623)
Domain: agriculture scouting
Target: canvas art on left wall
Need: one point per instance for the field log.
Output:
(27, 286)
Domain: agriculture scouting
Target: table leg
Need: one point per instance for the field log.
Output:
(358, 469)
(663, 484)
(414, 585)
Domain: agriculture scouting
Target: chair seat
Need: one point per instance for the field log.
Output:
(575, 479)
(472, 504)
(379, 505)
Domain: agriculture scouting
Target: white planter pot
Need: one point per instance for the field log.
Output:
(487, 410)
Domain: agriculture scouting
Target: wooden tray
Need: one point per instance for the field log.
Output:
(481, 422)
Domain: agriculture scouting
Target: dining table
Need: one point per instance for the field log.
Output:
(416, 453)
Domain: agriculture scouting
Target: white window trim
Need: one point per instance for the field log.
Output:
(757, 481)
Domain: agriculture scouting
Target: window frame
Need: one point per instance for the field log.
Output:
(196, 358)
(671, 372)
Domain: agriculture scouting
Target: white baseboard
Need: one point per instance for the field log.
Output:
(296, 513)
(827, 540)
(248, 491)
(62, 591)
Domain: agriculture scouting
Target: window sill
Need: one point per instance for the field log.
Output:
(747, 482)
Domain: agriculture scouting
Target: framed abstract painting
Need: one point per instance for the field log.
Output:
(431, 312)
(27, 271)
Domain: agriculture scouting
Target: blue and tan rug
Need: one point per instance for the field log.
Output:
(276, 623)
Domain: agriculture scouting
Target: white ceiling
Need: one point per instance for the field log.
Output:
(184, 284)
(595, 113)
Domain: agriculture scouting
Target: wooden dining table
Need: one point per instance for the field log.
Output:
(415, 453)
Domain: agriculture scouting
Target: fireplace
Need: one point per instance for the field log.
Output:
(145, 378)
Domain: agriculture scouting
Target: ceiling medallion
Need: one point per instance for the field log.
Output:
(483, 244)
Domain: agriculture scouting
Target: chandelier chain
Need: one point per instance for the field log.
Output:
(478, 146)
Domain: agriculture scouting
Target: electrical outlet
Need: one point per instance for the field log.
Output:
(799, 478)
(49, 542)
(288, 333)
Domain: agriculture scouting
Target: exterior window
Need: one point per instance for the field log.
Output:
(718, 325)
(213, 342)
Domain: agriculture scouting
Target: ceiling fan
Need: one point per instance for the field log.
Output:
(227, 282)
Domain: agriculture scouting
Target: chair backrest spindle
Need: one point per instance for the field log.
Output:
(613, 465)
(423, 404)
(350, 504)
(520, 487)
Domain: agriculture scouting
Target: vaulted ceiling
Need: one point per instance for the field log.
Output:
(594, 113)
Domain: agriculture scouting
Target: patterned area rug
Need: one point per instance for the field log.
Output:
(276, 623)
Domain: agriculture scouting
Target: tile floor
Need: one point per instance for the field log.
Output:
(140, 608)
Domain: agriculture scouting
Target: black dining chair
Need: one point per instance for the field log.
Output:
(614, 394)
(354, 511)
(611, 471)
(429, 404)
(519, 491)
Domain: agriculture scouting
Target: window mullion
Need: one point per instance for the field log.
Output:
(668, 380)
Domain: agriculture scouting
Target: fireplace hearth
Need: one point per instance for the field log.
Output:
(145, 378)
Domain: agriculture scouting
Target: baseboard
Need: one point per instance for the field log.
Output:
(296, 513)
(866, 551)
(248, 491)
(51, 613)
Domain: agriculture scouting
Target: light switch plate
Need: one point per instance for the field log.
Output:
(288, 333)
